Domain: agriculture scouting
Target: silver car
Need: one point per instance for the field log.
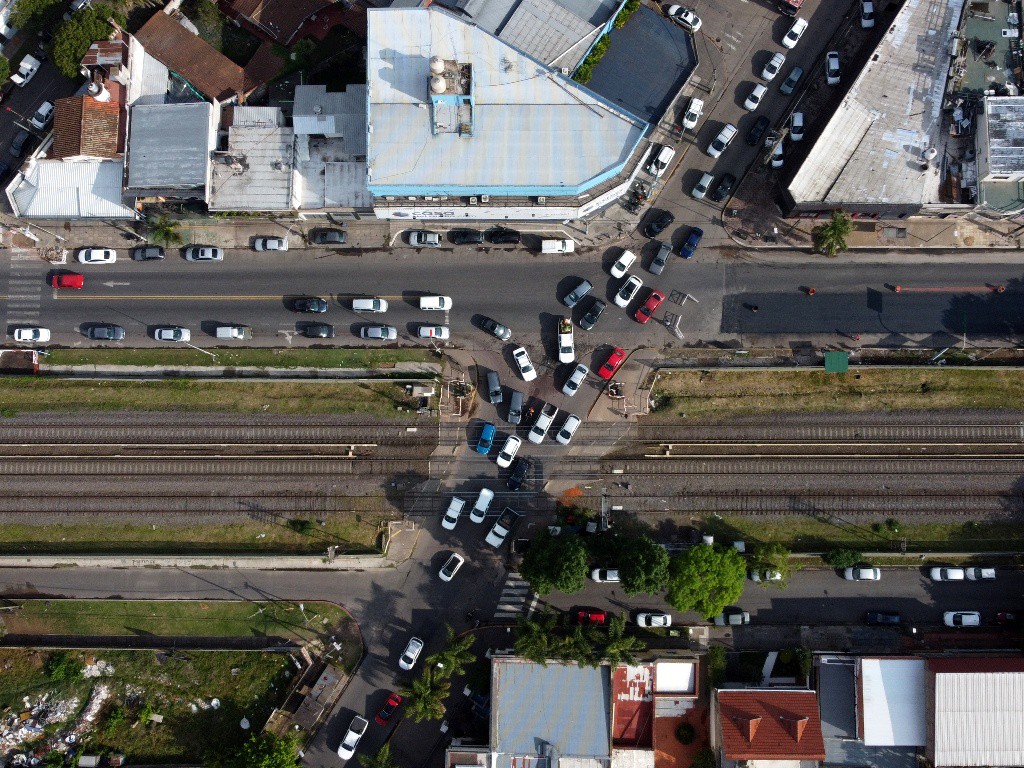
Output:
(572, 384)
(204, 253)
(412, 651)
(422, 238)
(379, 332)
(172, 333)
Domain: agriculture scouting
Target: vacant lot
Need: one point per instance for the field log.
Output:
(722, 394)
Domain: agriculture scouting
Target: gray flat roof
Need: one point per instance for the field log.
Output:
(870, 151)
(169, 145)
(1005, 122)
(255, 174)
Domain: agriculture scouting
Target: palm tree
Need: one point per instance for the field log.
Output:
(536, 640)
(830, 238)
(164, 230)
(383, 759)
(456, 656)
(619, 647)
(425, 696)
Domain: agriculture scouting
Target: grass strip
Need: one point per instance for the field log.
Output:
(722, 394)
(269, 357)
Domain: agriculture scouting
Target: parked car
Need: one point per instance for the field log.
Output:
(724, 188)
(659, 222)
(508, 451)
(605, 575)
(778, 155)
(493, 388)
(440, 332)
(486, 441)
(519, 473)
(832, 71)
(646, 310)
(593, 617)
(566, 343)
(622, 264)
(653, 619)
(867, 14)
(688, 248)
(67, 280)
(543, 422)
(789, 85)
(451, 515)
(660, 258)
(612, 364)
(569, 427)
(522, 358)
(576, 294)
(483, 503)
(961, 619)
(685, 17)
(732, 616)
(862, 573)
(423, 238)
(592, 315)
(496, 329)
(661, 160)
(693, 112)
(389, 708)
(327, 236)
(171, 333)
(980, 573)
(96, 256)
(757, 131)
(378, 332)
(504, 236)
(412, 652)
(43, 116)
(948, 574)
(147, 253)
(270, 244)
(765, 575)
(882, 618)
(311, 305)
(204, 253)
(451, 567)
(515, 407)
(370, 305)
(20, 143)
(355, 732)
(467, 236)
(628, 291)
(702, 186)
(28, 335)
(796, 126)
(756, 95)
(326, 331)
(722, 140)
(792, 37)
(105, 332)
(774, 65)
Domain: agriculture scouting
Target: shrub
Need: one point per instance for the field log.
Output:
(61, 667)
(893, 525)
(806, 660)
(5, 70)
(716, 665)
(842, 558)
(585, 70)
(301, 525)
(685, 733)
(627, 10)
(705, 758)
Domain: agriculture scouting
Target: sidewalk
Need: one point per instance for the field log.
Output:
(407, 371)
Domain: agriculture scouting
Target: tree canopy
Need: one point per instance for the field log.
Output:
(550, 636)
(644, 568)
(456, 656)
(383, 759)
(30, 16)
(5, 70)
(75, 35)
(705, 579)
(774, 557)
(830, 238)
(425, 696)
(556, 562)
(266, 750)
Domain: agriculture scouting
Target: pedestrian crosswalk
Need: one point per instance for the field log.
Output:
(516, 599)
(24, 290)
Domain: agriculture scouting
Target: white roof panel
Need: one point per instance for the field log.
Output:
(72, 189)
(675, 677)
(893, 704)
(979, 718)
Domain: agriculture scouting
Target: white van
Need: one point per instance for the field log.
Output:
(557, 246)
(435, 302)
(369, 305)
(233, 332)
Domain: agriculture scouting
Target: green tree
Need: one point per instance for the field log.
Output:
(716, 665)
(383, 759)
(30, 16)
(830, 238)
(5, 70)
(455, 657)
(266, 750)
(644, 566)
(556, 562)
(705, 758)
(536, 639)
(164, 230)
(842, 558)
(425, 696)
(773, 557)
(705, 579)
(618, 647)
(75, 35)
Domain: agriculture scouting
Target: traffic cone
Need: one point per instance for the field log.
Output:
(897, 288)
(811, 291)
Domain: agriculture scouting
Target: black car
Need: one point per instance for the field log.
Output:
(467, 237)
(20, 143)
(503, 236)
(755, 134)
(724, 188)
(313, 304)
(882, 618)
(519, 472)
(589, 320)
(147, 253)
(318, 331)
(496, 329)
(659, 222)
(106, 332)
(327, 237)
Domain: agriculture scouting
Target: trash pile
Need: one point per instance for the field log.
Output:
(19, 729)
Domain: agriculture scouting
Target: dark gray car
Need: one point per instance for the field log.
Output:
(106, 332)
(20, 143)
(660, 259)
(577, 293)
(515, 407)
(147, 253)
(493, 387)
(589, 320)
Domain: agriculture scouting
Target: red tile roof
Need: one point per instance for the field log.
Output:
(1015, 664)
(278, 19)
(84, 126)
(770, 725)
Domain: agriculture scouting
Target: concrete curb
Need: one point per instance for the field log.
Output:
(217, 562)
(401, 371)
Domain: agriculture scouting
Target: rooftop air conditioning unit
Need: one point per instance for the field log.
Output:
(388, 197)
(541, 199)
(565, 71)
(485, 198)
(472, 201)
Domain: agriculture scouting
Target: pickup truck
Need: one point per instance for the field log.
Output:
(502, 527)
(234, 332)
(557, 246)
(540, 427)
(566, 350)
(26, 70)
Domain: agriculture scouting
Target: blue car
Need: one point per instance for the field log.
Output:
(692, 242)
(486, 439)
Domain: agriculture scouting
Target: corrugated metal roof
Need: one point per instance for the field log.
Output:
(72, 189)
(532, 128)
(545, 30)
(169, 147)
(562, 705)
(979, 719)
(84, 126)
(338, 114)
(893, 702)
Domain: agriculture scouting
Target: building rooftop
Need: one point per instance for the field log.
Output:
(562, 707)
(169, 146)
(870, 152)
(1003, 123)
(279, 19)
(83, 126)
(632, 705)
(892, 696)
(60, 189)
(255, 173)
(676, 677)
(763, 724)
(337, 115)
(533, 131)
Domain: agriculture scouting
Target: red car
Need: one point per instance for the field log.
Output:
(643, 314)
(615, 359)
(67, 280)
(389, 709)
(593, 617)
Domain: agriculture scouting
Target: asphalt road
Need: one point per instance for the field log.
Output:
(21, 104)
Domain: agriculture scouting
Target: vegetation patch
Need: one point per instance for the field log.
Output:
(218, 30)
(585, 70)
(631, 7)
(269, 357)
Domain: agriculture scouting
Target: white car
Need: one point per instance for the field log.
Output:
(981, 574)
(622, 264)
(522, 358)
(348, 745)
(862, 573)
(722, 140)
(508, 452)
(685, 17)
(483, 502)
(867, 14)
(451, 567)
(778, 156)
(773, 67)
(693, 113)
(796, 126)
(566, 345)
(43, 115)
(96, 256)
(628, 291)
(961, 619)
(412, 651)
(543, 423)
(433, 332)
(30, 335)
(270, 244)
(791, 38)
(661, 161)
(754, 99)
(204, 253)
(564, 435)
(765, 575)
(653, 619)
(832, 71)
(602, 575)
(702, 186)
(436, 303)
(572, 384)
(172, 333)
(948, 574)
(451, 515)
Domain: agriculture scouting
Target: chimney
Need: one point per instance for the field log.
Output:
(794, 726)
(747, 725)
